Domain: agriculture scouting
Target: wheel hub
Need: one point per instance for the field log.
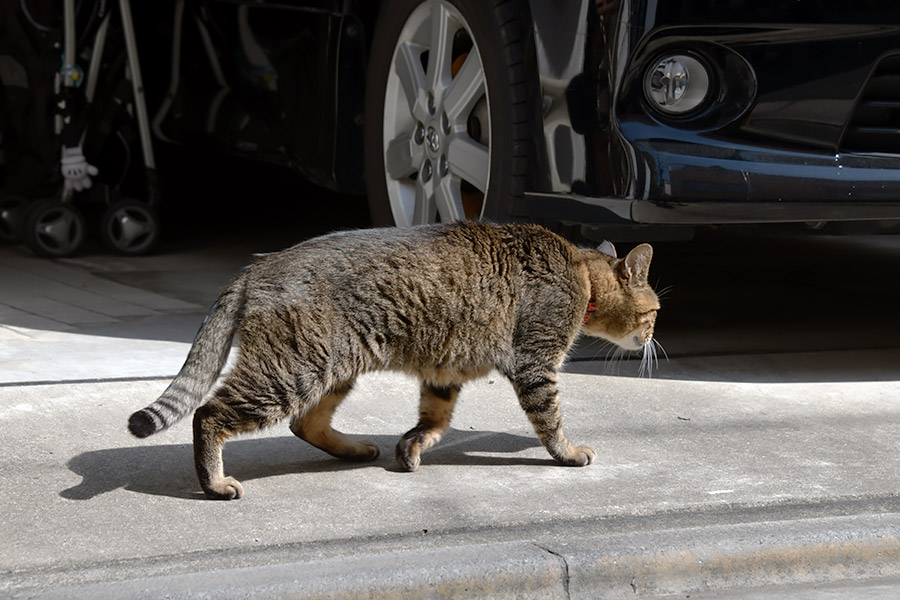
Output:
(59, 230)
(433, 140)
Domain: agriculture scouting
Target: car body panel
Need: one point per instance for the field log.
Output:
(276, 81)
(772, 147)
(804, 124)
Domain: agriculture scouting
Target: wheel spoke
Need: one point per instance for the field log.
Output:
(66, 220)
(465, 90)
(438, 74)
(412, 77)
(403, 156)
(469, 160)
(425, 208)
(448, 198)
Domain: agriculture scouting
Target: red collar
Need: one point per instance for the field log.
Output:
(591, 307)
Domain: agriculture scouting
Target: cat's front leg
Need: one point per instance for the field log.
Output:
(538, 392)
(436, 404)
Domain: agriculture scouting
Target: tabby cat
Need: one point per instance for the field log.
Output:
(446, 303)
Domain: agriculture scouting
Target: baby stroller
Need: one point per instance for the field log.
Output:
(51, 176)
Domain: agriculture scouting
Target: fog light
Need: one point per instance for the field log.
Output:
(676, 84)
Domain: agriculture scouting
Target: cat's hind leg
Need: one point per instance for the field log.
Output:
(436, 405)
(538, 392)
(314, 426)
(210, 433)
(234, 408)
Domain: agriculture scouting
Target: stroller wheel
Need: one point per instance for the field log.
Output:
(130, 227)
(53, 228)
(12, 211)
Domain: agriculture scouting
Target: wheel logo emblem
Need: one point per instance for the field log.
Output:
(433, 139)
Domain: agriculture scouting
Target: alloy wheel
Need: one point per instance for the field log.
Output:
(436, 136)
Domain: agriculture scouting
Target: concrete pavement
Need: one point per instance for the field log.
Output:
(720, 473)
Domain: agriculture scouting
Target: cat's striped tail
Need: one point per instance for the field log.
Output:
(201, 368)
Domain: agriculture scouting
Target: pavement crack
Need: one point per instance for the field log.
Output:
(565, 566)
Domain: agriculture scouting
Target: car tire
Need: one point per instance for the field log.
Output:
(447, 134)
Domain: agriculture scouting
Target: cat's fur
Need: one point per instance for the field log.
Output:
(446, 303)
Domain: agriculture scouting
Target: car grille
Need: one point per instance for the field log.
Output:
(875, 123)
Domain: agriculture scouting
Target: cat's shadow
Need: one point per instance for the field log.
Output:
(168, 470)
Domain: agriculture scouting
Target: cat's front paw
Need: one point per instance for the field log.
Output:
(226, 489)
(580, 456)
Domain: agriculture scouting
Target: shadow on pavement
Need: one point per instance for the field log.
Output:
(169, 470)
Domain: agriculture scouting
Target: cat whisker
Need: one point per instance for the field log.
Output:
(650, 357)
(599, 349)
(609, 347)
(600, 345)
(614, 351)
(646, 367)
(664, 293)
(647, 359)
(606, 347)
(608, 359)
(660, 346)
(614, 361)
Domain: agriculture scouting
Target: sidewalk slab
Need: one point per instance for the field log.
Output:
(87, 493)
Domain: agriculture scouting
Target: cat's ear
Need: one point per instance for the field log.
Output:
(607, 248)
(636, 266)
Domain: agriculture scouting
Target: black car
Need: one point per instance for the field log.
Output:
(595, 113)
